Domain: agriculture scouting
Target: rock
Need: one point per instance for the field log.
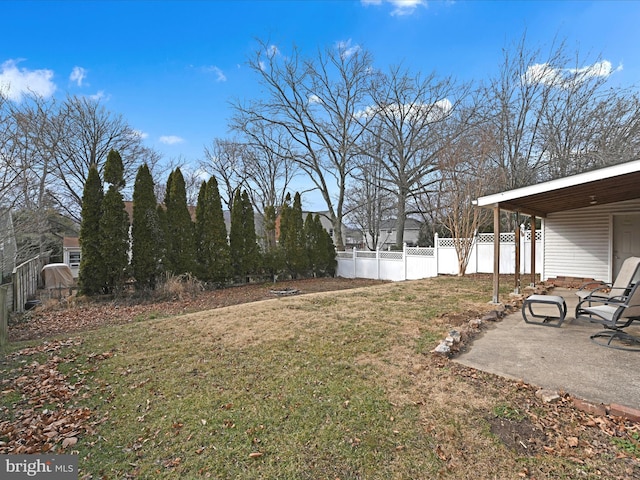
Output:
(475, 323)
(547, 396)
(492, 316)
(443, 348)
(453, 337)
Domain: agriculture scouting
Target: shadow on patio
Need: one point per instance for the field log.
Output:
(562, 359)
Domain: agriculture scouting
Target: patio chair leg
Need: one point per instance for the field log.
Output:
(623, 341)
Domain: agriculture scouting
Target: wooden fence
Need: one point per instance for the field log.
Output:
(4, 313)
(26, 280)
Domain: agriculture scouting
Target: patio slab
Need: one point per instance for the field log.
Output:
(562, 359)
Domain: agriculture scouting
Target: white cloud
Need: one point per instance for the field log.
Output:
(171, 139)
(432, 112)
(140, 134)
(314, 99)
(400, 7)
(220, 76)
(545, 74)
(598, 69)
(16, 82)
(99, 95)
(346, 49)
(78, 74)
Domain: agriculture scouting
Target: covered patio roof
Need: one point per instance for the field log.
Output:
(598, 187)
(606, 185)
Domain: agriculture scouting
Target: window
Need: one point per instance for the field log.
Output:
(74, 259)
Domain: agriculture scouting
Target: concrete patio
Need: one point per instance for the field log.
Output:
(562, 359)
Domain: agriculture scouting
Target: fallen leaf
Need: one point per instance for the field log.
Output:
(69, 442)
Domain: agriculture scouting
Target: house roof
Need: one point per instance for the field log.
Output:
(71, 242)
(409, 224)
(606, 185)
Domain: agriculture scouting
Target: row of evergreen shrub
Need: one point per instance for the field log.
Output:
(165, 239)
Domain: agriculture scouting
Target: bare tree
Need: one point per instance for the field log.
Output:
(317, 102)
(8, 171)
(464, 170)
(369, 201)
(585, 124)
(224, 159)
(268, 165)
(517, 99)
(411, 114)
(90, 132)
(31, 135)
(591, 129)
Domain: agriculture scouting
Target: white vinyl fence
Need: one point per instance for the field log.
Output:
(413, 263)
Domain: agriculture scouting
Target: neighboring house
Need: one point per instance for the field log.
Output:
(8, 247)
(71, 254)
(351, 237)
(387, 233)
(590, 221)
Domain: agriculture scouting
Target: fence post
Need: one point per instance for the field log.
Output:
(4, 314)
(354, 262)
(377, 263)
(435, 253)
(404, 258)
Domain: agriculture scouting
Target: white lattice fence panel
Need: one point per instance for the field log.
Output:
(423, 251)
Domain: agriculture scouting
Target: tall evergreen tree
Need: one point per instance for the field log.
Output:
(236, 241)
(114, 170)
(161, 241)
(251, 250)
(214, 258)
(326, 250)
(199, 232)
(114, 226)
(145, 230)
(91, 276)
(180, 242)
(271, 257)
(292, 238)
(312, 238)
(245, 254)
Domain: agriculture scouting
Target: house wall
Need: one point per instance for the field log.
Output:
(578, 243)
(71, 256)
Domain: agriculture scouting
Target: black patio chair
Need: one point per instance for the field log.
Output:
(616, 315)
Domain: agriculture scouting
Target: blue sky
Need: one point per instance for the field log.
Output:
(171, 68)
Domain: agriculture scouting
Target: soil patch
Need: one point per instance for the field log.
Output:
(519, 435)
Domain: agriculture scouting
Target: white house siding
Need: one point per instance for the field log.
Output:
(577, 243)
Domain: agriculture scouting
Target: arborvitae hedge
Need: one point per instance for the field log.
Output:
(213, 253)
(251, 249)
(272, 260)
(292, 238)
(180, 241)
(245, 254)
(91, 276)
(114, 227)
(145, 231)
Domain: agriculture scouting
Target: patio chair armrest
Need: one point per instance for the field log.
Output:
(595, 285)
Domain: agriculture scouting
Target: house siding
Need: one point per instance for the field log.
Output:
(577, 243)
